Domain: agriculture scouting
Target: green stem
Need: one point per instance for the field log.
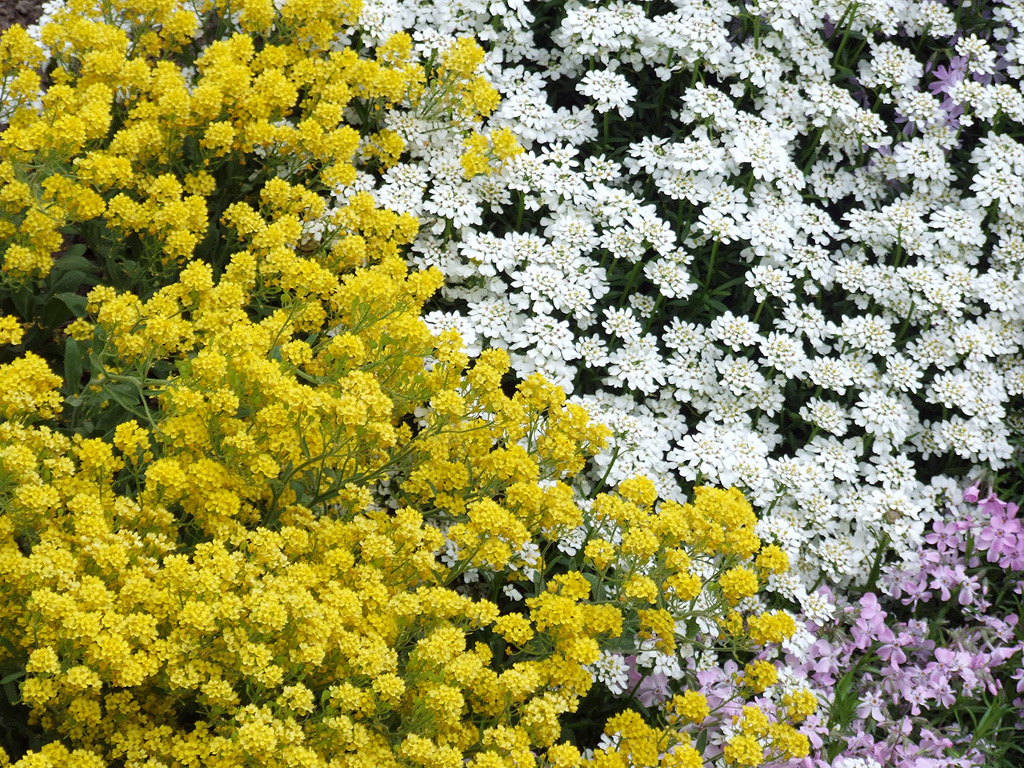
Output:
(630, 281)
(711, 265)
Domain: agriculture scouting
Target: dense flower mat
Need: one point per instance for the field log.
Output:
(291, 296)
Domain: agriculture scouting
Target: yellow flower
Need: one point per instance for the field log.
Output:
(754, 722)
(758, 675)
(800, 703)
(10, 330)
(787, 740)
(692, 706)
(773, 559)
(743, 750)
(600, 552)
(641, 588)
(563, 756)
(297, 698)
(514, 628)
(28, 389)
(737, 583)
(771, 627)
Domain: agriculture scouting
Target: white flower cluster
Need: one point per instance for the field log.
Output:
(862, 297)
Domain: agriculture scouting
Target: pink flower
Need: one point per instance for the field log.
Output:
(650, 689)
(872, 706)
(1000, 537)
(970, 492)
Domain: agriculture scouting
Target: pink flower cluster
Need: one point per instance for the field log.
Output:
(904, 667)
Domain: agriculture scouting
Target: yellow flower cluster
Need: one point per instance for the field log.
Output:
(248, 582)
(247, 577)
(460, 65)
(28, 389)
(657, 559)
(482, 151)
(758, 740)
(123, 121)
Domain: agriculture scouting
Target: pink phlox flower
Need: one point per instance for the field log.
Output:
(814, 729)
(992, 505)
(715, 683)
(1002, 628)
(945, 579)
(1018, 675)
(870, 623)
(892, 652)
(860, 741)
(942, 691)
(1000, 654)
(932, 740)
(970, 586)
(971, 492)
(918, 629)
(821, 662)
(1000, 537)
(955, 661)
(914, 591)
(650, 689)
(872, 705)
(947, 536)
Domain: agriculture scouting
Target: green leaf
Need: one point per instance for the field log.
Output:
(24, 301)
(74, 302)
(72, 365)
(75, 255)
(71, 281)
(12, 692)
(596, 585)
(54, 314)
(12, 677)
(10, 647)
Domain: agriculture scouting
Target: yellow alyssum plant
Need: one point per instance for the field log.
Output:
(153, 126)
(218, 584)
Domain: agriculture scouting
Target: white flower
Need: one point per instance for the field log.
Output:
(513, 594)
(494, 317)
(734, 331)
(884, 415)
(740, 375)
(611, 671)
(671, 277)
(638, 365)
(659, 663)
(622, 324)
(593, 350)
(609, 90)
(830, 373)
(868, 332)
(817, 607)
(538, 284)
(980, 56)
(826, 415)
(542, 336)
(571, 542)
(782, 352)
(642, 304)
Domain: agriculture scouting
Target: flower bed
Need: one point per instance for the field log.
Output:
(373, 376)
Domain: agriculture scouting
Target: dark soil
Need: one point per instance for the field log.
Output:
(24, 12)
